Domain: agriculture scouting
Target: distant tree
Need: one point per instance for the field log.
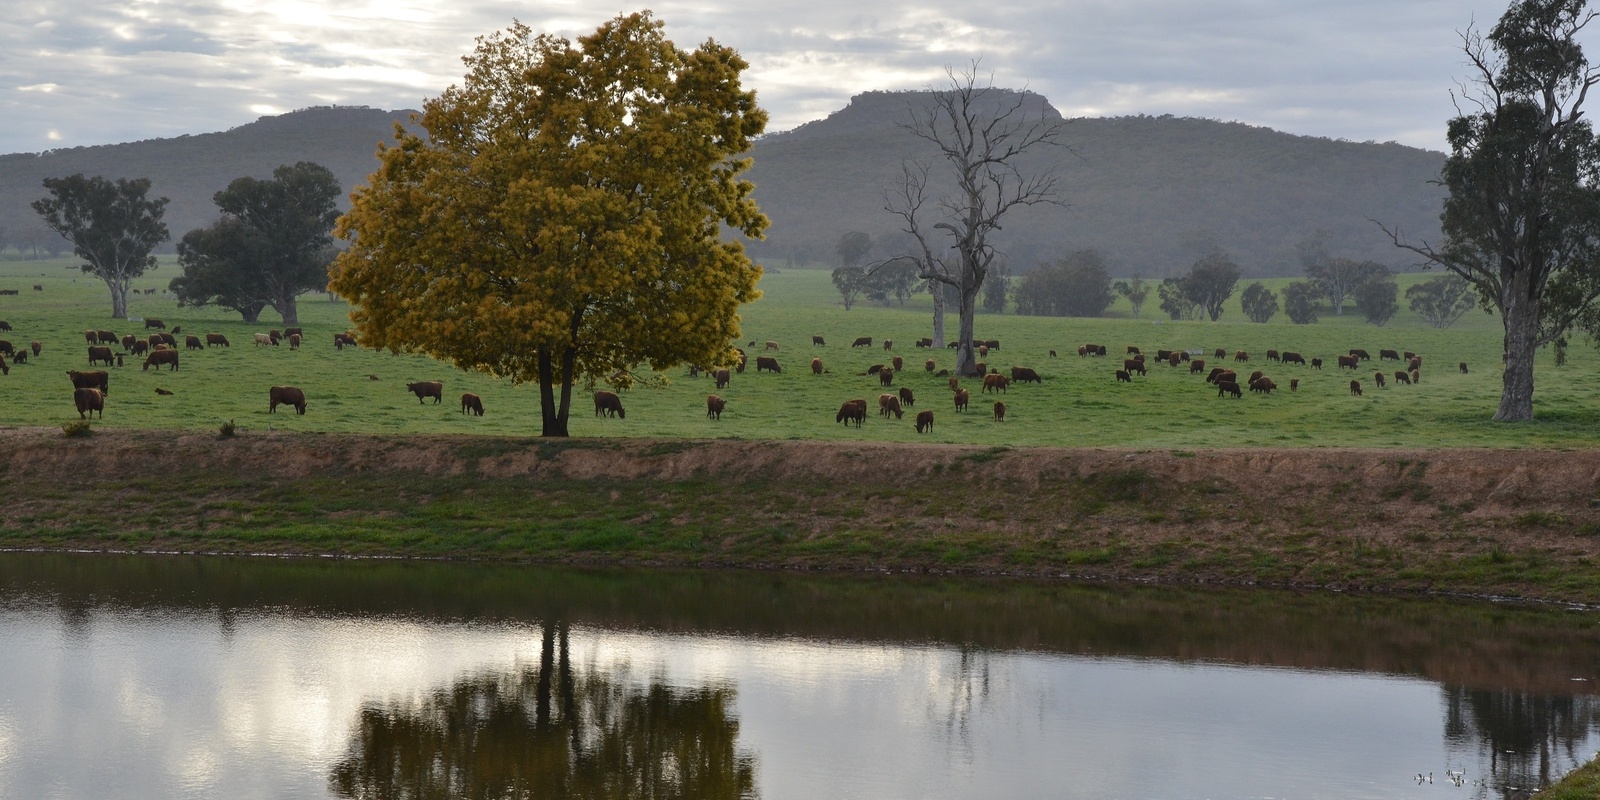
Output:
(112, 226)
(1075, 286)
(1340, 278)
(1210, 282)
(1376, 299)
(984, 139)
(1258, 302)
(1175, 301)
(273, 243)
(852, 248)
(1135, 290)
(851, 282)
(1441, 301)
(996, 288)
(892, 281)
(1300, 302)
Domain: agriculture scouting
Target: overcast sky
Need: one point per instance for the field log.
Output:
(84, 72)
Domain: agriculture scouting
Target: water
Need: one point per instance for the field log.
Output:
(189, 677)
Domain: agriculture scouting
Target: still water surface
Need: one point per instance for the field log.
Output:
(188, 677)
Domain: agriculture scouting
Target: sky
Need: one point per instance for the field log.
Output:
(86, 72)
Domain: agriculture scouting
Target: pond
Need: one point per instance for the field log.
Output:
(201, 677)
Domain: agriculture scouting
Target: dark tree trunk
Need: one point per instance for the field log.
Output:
(1520, 313)
(119, 297)
(966, 361)
(554, 424)
(937, 290)
(251, 313)
(290, 310)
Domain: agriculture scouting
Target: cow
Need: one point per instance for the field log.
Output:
(1132, 350)
(1414, 364)
(1241, 355)
(885, 377)
(1416, 376)
(340, 340)
(1123, 376)
(962, 398)
(816, 367)
(714, 406)
(981, 368)
(98, 354)
(771, 345)
(924, 342)
(90, 337)
(4, 326)
(1052, 354)
(192, 343)
(1229, 387)
(955, 383)
(1215, 371)
(89, 401)
(1173, 360)
(907, 397)
(470, 404)
(294, 341)
(1402, 377)
(216, 339)
(983, 351)
(992, 344)
(924, 421)
(767, 364)
(1388, 355)
(1083, 350)
(1254, 376)
(1463, 364)
(1025, 375)
(159, 357)
(1360, 354)
(721, 376)
(1220, 353)
(163, 392)
(1291, 357)
(140, 347)
(164, 338)
(1272, 355)
(20, 357)
(899, 363)
(1377, 377)
(286, 396)
(264, 339)
(38, 347)
(1263, 385)
(1100, 350)
(286, 331)
(98, 379)
(1294, 384)
(1355, 388)
(105, 337)
(1409, 355)
(1197, 365)
(998, 383)
(7, 348)
(890, 404)
(888, 344)
(929, 365)
(852, 411)
(999, 411)
(1349, 362)
(862, 341)
(1316, 363)
(5, 369)
(1228, 375)
(816, 341)
(607, 404)
(422, 389)
(154, 323)
(276, 336)
(1132, 365)
(127, 341)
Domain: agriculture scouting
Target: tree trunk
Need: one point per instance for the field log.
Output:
(569, 360)
(966, 362)
(290, 310)
(119, 298)
(554, 425)
(1521, 317)
(250, 313)
(937, 290)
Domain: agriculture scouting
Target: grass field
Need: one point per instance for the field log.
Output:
(1078, 404)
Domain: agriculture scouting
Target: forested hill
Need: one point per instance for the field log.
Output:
(190, 169)
(1151, 192)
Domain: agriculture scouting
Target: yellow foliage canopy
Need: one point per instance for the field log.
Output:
(563, 217)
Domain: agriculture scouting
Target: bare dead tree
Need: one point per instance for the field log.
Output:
(979, 133)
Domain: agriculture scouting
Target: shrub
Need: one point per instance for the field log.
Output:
(77, 427)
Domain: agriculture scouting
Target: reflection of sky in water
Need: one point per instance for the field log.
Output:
(145, 705)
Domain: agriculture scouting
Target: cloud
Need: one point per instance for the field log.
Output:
(98, 71)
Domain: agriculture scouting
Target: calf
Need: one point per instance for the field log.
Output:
(924, 421)
(1355, 388)
(193, 343)
(906, 396)
(816, 341)
(962, 398)
(1025, 375)
(159, 357)
(340, 340)
(767, 364)
(1377, 377)
(955, 383)
(1123, 376)
(89, 401)
(4, 326)
(1052, 354)
(862, 341)
(888, 344)
(471, 404)
(433, 389)
(607, 404)
(721, 377)
(715, 405)
(1175, 359)
(999, 411)
(816, 367)
(1316, 363)
(21, 356)
(276, 336)
(286, 396)
(1294, 384)
(1409, 355)
(216, 339)
(1463, 364)
(1416, 376)
(98, 379)
(852, 411)
(98, 354)
(141, 347)
(890, 404)
(37, 347)
(983, 351)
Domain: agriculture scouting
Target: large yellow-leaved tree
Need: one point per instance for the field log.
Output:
(562, 219)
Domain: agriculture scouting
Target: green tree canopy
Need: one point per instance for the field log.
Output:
(1377, 299)
(1300, 302)
(1258, 302)
(562, 217)
(1075, 286)
(272, 243)
(851, 282)
(1135, 290)
(113, 227)
(1441, 301)
(1211, 282)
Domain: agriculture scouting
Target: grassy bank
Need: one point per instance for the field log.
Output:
(1581, 784)
(1517, 523)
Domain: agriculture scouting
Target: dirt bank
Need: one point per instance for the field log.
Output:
(1520, 522)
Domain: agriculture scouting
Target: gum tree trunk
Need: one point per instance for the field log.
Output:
(1520, 313)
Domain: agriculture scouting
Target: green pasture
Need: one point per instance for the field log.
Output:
(1078, 404)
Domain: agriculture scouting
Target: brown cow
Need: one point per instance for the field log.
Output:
(89, 336)
(470, 403)
(955, 383)
(1082, 351)
(433, 389)
(1241, 355)
(1416, 376)
(286, 331)
(714, 406)
(962, 398)
(1220, 353)
(722, 378)
(1254, 376)
(192, 343)
(141, 347)
(5, 369)
(1291, 357)
(1052, 354)
(127, 341)
(907, 397)
(890, 404)
(154, 323)
(1263, 384)
(294, 341)
(1463, 364)
(924, 421)
(163, 392)
(275, 335)
(1316, 363)
(999, 411)
(771, 345)
(608, 404)
(98, 354)
(217, 339)
(852, 411)
(1133, 351)
(159, 357)
(1197, 365)
(1355, 388)
(863, 341)
(929, 365)
(287, 396)
(1388, 355)
(768, 364)
(1414, 364)
(816, 341)
(998, 383)
(886, 377)
(105, 337)
(4, 326)
(37, 347)
(1272, 355)
(983, 351)
(90, 401)
(1360, 354)
(899, 363)
(816, 367)
(1409, 355)
(925, 342)
(339, 341)
(7, 348)
(1377, 378)
(1123, 376)
(1294, 384)
(1025, 375)
(1349, 362)
(888, 344)
(874, 369)
(1229, 387)
(1402, 377)
(98, 379)
(981, 367)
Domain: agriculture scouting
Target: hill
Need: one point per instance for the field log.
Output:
(1151, 192)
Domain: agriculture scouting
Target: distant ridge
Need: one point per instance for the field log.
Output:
(1152, 192)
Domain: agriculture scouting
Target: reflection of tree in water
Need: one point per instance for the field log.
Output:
(1528, 740)
(548, 732)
